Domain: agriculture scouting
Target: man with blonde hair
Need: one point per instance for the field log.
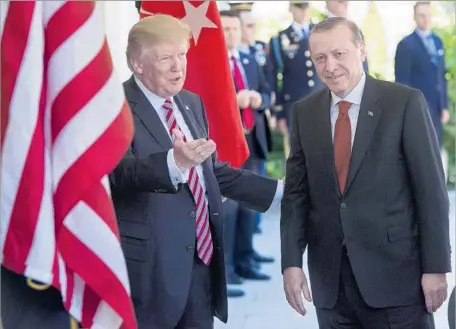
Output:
(173, 239)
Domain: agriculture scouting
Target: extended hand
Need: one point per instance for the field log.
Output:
(295, 283)
(243, 98)
(190, 154)
(435, 290)
(255, 99)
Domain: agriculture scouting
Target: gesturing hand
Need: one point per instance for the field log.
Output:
(435, 290)
(190, 154)
(295, 284)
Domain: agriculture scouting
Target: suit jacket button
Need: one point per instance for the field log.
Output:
(190, 248)
(343, 205)
(192, 214)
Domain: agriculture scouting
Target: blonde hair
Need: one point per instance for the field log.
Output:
(154, 30)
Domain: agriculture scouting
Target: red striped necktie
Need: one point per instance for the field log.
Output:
(204, 243)
(248, 119)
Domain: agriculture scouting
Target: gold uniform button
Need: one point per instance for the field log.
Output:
(311, 83)
(308, 63)
(307, 53)
(310, 73)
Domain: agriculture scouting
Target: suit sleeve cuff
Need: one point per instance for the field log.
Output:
(177, 176)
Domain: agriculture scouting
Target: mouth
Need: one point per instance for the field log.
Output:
(176, 80)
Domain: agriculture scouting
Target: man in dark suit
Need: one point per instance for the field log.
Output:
(371, 207)
(254, 96)
(260, 51)
(173, 240)
(339, 8)
(290, 57)
(420, 64)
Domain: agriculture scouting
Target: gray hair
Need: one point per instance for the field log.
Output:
(333, 22)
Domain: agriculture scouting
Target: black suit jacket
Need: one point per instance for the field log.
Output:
(158, 229)
(394, 214)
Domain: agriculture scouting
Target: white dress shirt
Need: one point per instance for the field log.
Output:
(353, 97)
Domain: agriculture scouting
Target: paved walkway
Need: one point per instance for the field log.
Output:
(265, 307)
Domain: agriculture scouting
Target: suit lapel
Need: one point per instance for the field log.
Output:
(189, 117)
(369, 116)
(148, 115)
(325, 137)
(197, 132)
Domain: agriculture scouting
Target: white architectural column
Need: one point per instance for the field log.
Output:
(119, 18)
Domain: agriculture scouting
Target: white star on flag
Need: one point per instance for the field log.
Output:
(196, 18)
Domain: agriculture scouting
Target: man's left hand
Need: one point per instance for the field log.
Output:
(435, 290)
(255, 99)
(445, 116)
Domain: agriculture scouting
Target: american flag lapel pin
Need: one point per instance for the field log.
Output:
(187, 108)
(370, 113)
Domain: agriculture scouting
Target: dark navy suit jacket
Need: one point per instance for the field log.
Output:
(414, 67)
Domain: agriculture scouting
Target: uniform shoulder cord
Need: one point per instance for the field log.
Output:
(41, 287)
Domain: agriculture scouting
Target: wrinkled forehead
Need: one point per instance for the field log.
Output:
(331, 40)
(168, 48)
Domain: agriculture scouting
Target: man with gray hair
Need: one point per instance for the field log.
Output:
(172, 239)
(366, 196)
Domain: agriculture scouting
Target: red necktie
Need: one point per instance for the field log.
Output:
(204, 245)
(247, 114)
(342, 144)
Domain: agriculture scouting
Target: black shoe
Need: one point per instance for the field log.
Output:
(252, 274)
(234, 278)
(234, 292)
(262, 259)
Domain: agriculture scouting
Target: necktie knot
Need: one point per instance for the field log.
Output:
(168, 105)
(344, 106)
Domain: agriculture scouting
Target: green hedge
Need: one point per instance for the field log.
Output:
(448, 36)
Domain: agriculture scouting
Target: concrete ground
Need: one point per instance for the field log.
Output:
(264, 306)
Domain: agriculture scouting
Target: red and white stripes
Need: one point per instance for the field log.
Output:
(65, 125)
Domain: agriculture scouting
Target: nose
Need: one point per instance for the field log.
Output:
(176, 64)
(330, 64)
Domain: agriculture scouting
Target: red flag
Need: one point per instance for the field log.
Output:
(209, 74)
(65, 126)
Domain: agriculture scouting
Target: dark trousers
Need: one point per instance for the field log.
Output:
(239, 227)
(351, 312)
(198, 312)
(26, 308)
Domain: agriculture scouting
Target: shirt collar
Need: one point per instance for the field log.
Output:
(298, 27)
(156, 101)
(235, 53)
(423, 34)
(354, 96)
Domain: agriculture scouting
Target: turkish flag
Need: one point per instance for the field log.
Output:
(209, 73)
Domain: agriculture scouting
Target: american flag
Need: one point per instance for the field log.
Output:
(65, 124)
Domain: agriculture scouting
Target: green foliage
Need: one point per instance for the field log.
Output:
(375, 42)
(275, 165)
(448, 35)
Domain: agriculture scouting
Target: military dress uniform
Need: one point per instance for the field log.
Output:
(294, 75)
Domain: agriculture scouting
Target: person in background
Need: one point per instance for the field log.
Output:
(254, 96)
(420, 64)
(260, 51)
(172, 237)
(365, 194)
(339, 8)
(290, 57)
